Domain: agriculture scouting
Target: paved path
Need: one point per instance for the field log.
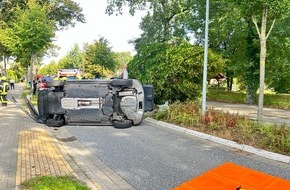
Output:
(38, 155)
(271, 115)
(27, 148)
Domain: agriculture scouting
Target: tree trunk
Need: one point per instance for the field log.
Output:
(4, 66)
(229, 81)
(31, 71)
(262, 63)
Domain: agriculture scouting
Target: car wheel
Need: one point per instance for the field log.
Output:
(41, 105)
(122, 82)
(55, 123)
(54, 83)
(122, 124)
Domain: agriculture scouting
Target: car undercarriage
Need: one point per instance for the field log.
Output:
(118, 102)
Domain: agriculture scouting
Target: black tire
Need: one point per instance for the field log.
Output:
(123, 124)
(55, 123)
(41, 105)
(122, 82)
(54, 83)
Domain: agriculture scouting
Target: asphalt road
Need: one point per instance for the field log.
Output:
(157, 158)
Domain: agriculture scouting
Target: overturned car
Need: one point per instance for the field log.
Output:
(118, 102)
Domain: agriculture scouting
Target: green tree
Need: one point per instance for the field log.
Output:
(63, 12)
(231, 37)
(262, 13)
(16, 72)
(73, 59)
(49, 69)
(122, 58)
(164, 20)
(98, 55)
(175, 70)
(30, 33)
(278, 57)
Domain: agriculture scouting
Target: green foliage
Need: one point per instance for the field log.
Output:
(53, 183)
(234, 127)
(49, 69)
(99, 57)
(174, 69)
(281, 101)
(214, 94)
(180, 113)
(73, 59)
(30, 32)
(64, 12)
(122, 58)
(15, 72)
(232, 34)
(276, 138)
(276, 8)
(27, 26)
(277, 101)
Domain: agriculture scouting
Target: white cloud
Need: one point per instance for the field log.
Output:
(118, 30)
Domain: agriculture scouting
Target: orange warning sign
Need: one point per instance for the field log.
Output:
(229, 176)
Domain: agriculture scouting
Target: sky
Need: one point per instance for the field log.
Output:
(118, 30)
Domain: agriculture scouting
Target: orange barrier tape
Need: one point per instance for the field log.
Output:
(229, 176)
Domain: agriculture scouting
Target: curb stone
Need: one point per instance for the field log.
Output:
(246, 148)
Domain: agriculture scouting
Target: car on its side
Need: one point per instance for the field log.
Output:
(118, 102)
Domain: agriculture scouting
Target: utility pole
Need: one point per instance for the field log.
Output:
(205, 60)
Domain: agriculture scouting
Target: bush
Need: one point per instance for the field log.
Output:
(234, 127)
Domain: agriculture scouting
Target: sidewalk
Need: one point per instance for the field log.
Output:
(29, 149)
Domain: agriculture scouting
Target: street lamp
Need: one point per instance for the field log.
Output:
(205, 60)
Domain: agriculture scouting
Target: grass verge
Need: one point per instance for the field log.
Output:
(281, 101)
(27, 92)
(53, 183)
